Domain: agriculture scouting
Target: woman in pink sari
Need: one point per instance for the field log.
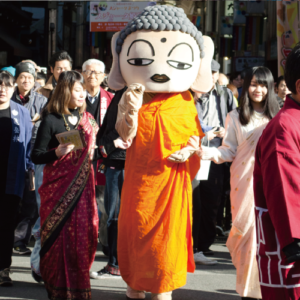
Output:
(244, 126)
(69, 220)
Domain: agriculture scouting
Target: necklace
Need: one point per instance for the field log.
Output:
(68, 129)
(66, 123)
(73, 119)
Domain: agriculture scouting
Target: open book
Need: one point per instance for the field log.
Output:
(73, 136)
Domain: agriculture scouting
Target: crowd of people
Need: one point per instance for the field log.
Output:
(61, 192)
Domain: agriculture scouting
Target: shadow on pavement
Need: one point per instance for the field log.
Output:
(15, 269)
(24, 291)
(227, 291)
(32, 291)
(184, 294)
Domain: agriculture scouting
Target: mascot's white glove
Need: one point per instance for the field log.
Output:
(129, 105)
(183, 154)
(134, 97)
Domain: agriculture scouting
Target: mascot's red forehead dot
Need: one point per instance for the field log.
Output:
(163, 40)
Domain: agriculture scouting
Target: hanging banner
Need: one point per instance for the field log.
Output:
(287, 31)
(227, 25)
(114, 16)
(243, 63)
(240, 9)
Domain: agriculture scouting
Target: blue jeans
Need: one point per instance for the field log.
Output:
(36, 230)
(112, 200)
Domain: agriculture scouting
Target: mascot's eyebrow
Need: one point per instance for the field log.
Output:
(183, 44)
(153, 52)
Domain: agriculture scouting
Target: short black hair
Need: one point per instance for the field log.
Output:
(234, 76)
(7, 79)
(292, 69)
(279, 79)
(41, 75)
(59, 56)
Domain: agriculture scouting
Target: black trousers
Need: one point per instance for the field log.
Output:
(196, 213)
(27, 216)
(9, 205)
(210, 198)
(224, 222)
(112, 201)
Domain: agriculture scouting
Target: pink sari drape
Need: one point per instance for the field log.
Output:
(242, 238)
(69, 220)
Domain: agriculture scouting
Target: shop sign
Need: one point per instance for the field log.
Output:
(114, 16)
(242, 63)
(227, 26)
(287, 31)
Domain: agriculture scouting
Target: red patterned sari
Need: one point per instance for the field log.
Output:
(69, 220)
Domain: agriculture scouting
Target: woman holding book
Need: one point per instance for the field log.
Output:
(244, 126)
(68, 212)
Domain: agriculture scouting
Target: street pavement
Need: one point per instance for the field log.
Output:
(207, 283)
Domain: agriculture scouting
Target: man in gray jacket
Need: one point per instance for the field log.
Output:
(25, 95)
(212, 110)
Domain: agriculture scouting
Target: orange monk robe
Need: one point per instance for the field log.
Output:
(154, 238)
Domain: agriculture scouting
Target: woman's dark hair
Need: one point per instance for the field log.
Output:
(292, 69)
(263, 76)
(58, 56)
(7, 79)
(279, 79)
(61, 97)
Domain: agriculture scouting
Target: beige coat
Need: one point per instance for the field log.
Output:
(47, 88)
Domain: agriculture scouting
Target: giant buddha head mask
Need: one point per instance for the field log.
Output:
(162, 50)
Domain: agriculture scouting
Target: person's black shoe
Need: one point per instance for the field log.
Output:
(37, 277)
(5, 280)
(22, 250)
(208, 252)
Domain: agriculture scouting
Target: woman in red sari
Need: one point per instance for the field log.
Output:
(69, 220)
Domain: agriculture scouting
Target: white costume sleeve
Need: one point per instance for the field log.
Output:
(226, 152)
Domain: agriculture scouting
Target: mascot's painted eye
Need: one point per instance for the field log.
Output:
(179, 65)
(140, 61)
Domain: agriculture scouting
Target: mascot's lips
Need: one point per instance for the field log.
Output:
(160, 78)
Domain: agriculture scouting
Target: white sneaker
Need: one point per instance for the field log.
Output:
(103, 274)
(200, 259)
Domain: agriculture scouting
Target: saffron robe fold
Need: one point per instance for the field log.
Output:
(154, 239)
(69, 220)
(277, 209)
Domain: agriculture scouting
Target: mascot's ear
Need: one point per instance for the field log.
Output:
(203, 82)
(115, 79)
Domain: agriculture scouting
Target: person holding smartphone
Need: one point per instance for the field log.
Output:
(212, 109)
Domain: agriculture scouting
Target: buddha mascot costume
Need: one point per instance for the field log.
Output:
(159, 56)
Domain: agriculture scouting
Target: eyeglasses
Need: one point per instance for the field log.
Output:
(5, 88)
(89, 73)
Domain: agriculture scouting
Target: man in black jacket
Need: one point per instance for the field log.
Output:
(212, 110)
(113, 150)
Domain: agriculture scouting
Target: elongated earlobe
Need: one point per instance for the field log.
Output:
(115, 79)
(203, 82)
